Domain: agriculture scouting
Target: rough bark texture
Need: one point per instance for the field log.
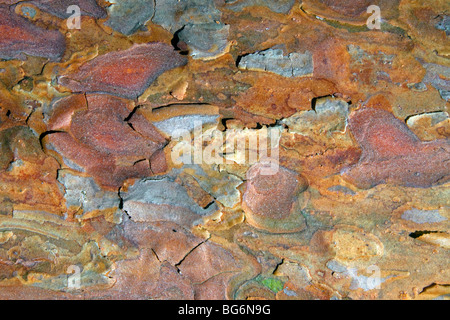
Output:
(246, 149)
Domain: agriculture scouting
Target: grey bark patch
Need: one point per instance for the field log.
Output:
(437, 76)
(181, 124)
(172, 15)
(198, 23)
(83, 192)
(127, 17)
(294, 64)
(28, 11)
(360, 56)
(206, 40)
(330, 115)
(423, 216)
(418, 87)
(335, 266)
(342, 189)
(444, 24)
(162, 200)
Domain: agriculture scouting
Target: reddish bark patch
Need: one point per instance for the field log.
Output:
(59, 7)
(20, 37)
(124, 73)
(95, 136)
(273, 198)
(392, 153)
(262, 191)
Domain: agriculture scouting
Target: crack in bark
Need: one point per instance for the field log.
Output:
(190, 251)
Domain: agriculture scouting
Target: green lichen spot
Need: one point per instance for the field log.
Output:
(273, 284)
